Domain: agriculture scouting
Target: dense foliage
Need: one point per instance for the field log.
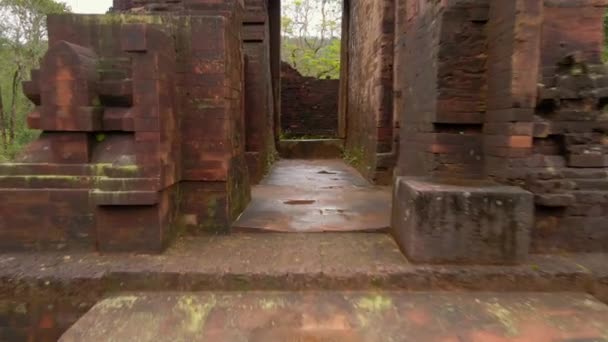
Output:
(23, 41)
(311, 36)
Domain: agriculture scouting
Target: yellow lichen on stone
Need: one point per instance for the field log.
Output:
(195, 312)
(505, 317)
(374, 303)
(270, 304)
(117, 303)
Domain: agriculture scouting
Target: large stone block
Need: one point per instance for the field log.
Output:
(461, 223)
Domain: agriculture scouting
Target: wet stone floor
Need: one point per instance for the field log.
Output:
(345, 316)
(316, 196)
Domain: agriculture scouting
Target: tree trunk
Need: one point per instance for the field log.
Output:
(13, 113)
(2, 124)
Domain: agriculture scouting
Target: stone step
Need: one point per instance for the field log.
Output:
(592, 184)
(62, 286)
(78, 182)
(45, 182)
(548, 173)
(343, 316)
(113, 198)
(45, 169)
(274, 261)
(127, 184)
(590, 196)
(311, 148)
(19, 169)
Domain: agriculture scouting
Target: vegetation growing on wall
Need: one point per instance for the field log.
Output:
(23, 41)
(310, 32)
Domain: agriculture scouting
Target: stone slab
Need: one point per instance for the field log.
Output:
(314, 174)
(316, 196)
(311, 148)
(473, 223)
(343, 316)
(46, 292)
(284, 262)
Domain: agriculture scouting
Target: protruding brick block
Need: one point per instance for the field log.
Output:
(463, 223)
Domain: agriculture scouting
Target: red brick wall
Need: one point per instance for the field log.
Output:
(513, 67)
(527, 115)
(543, 132)
(143, 118)
(370, 72)
(259, 96)
(309, 106)
(443, 88)
(570, 26)
(417, 85)
(569, 161)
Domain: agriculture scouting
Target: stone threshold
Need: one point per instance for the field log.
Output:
(286, 262)
(311, 148)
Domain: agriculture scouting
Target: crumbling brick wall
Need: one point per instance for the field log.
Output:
(514, 92)
(309, 106)
(544, 127)
(565, 158)
(370, 123)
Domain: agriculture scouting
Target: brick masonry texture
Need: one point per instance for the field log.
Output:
(544, 128)
(369, 129)
(156, 118)
(121, 101)
(309, 106)
(511, 92)
(441, 116)
(147, 125)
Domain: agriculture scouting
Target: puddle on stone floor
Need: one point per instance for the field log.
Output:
(299, 202)
(332, 211)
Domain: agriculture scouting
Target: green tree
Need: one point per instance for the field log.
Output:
(23, 42)
(311, 36)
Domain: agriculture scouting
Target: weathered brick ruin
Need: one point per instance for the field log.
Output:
(147, 126)
(140, 118)
(150, 130)
(488, 118)
(515, 96)
(120, 101)
(309, 105)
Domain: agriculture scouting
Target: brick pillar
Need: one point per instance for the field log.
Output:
(444, 209)
(514, 37)
(259, 94)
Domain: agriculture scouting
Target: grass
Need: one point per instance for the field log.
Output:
(286, 135)
(353, 157)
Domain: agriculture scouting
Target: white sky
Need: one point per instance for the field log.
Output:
(89, 6)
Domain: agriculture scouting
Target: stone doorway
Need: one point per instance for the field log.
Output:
(313, 188)
(311, 122)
